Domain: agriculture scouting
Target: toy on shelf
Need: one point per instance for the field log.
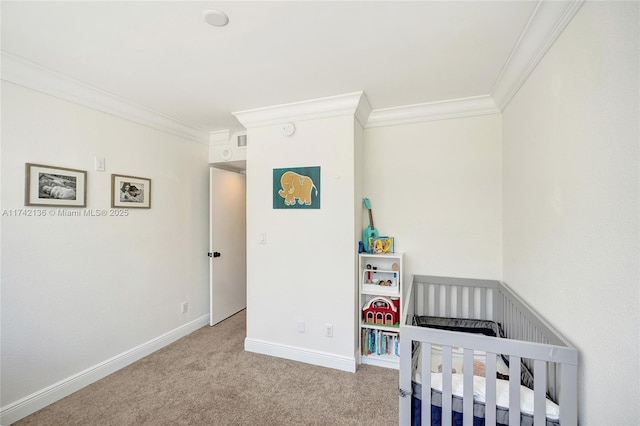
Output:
(382, 281)
(381, 245)
(370, 231)
(382, 311)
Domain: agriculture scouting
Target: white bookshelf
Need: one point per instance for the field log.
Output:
(380, 305)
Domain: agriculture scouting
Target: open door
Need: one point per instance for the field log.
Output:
(227, 245)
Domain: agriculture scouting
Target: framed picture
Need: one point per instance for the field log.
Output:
(296, 188)
(130, 192)
(381, 245)
(55, 186)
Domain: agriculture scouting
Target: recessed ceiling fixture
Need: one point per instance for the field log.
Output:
(215, 17)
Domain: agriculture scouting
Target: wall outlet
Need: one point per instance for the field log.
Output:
(328, 330)
(301, 327)
(184, 307)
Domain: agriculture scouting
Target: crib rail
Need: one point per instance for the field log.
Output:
(529, 338)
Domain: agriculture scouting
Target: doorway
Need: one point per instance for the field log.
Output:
(227, 244)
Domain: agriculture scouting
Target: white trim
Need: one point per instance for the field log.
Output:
(322, 359)
(331, 106)
(28, 74)
(363, 110)
(40, 399)
(545, 25)
(443, 110)
(547, 22)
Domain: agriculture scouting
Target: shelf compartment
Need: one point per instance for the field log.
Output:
(382, 343)
(380, 281)
(381, 311)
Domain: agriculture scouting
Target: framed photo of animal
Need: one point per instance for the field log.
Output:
(130, 192)
(296, 188)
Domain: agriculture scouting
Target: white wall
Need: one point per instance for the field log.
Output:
(306, 270)
(436, 187)
(77, 291)
(571, 211)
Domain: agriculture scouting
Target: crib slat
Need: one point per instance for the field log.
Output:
(436, 300)
(419, 299)
(490, 391)
(447, 301)
(426, 384)
(467, 408)
(458, 301)
(446, 385)
(539, 394)
(483, 303)
(514, 390)
(472, 303)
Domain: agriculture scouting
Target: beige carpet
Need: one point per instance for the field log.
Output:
(207, 378)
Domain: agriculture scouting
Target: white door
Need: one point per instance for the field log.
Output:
(227, 245)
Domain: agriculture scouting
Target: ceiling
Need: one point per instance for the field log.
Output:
(163, 57)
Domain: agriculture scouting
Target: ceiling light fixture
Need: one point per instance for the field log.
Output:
(215, 17)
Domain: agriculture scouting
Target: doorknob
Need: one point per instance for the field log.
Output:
(214, 254)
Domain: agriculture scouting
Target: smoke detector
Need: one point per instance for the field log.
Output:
(288, 129)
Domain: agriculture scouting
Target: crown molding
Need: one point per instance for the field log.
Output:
(24, 73)
(363, 110)
(547, 22)
(332, 106)
(443, 110)
(545, 25)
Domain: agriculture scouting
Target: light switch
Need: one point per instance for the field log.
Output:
(99, 163)
(262, 238)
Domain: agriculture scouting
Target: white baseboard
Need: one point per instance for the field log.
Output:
(322, 359)
(30, 404)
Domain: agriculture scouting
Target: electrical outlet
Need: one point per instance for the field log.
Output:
(301, 326)
(328, 330)
(185, 307)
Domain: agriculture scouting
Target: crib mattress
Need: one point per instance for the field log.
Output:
(502, 401)
(502, 414)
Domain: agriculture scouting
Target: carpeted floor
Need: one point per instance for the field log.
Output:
(207, 378)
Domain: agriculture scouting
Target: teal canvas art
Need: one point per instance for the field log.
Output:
(296, 188)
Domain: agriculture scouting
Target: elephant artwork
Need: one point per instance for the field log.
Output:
(296, 186)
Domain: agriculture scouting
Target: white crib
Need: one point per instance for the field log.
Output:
(530, 343)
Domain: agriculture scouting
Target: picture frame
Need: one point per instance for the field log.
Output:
(55, 186)
(381, 245)
(297, 187)
(130, 192)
